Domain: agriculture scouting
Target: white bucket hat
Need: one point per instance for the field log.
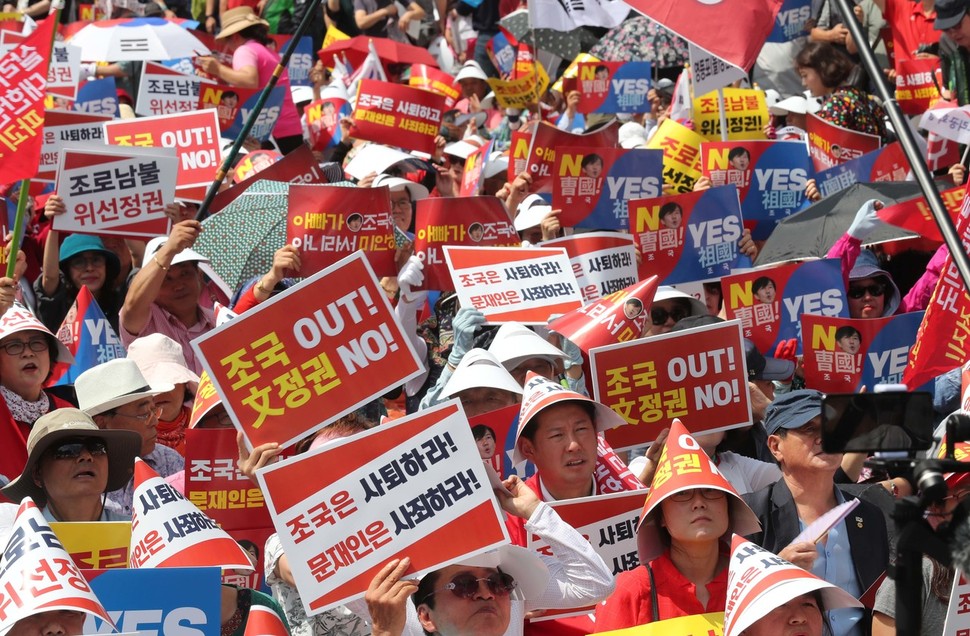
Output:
(465, 147)
(396, 184)
(525, 566)
(665, 292)
(514, 343)
(113, 384)
(530, 212)
(161, 360)
(471, 70)
(185, 256)
(477, 369)
(498, 163)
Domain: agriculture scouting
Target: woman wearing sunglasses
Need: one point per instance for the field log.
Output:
(71, 465)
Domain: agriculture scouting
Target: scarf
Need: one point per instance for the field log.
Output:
(21, 409)
(172, 434)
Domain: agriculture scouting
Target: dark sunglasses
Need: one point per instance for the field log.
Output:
(875, 289)
(465, 585)
(659, 315)
(73, 449)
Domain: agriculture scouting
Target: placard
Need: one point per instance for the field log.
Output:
(548, 139)
(603, 262)
(64, 127)
(397, 115)
(682, 154)
(163, 90)
(745, 112)
(614, 87)
(830, 145)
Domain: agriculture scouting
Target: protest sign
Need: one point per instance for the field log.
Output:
(616, 317)
(413, 487)
(97, 97)
(234, 105)
(480, 221)
(614, 87)
(687, 237)
(519, 143)
(769, 301)
(914, 214)
(333, 335)
(327, 223)
(682, 154)
(253, 541)
(397, 115)
(206, 399)
(790, 23)
(471, 175)
(61, 128)
(89, 337)
(916, 84)
(163, 90)
(770, 177)
(592, 185)
(298, 167)
(253, 163)
(888, 163)
(501, 51)
(949, 123)
(697, 375)
(522, 90)
(116, 191)
(194, 135)
(709, 72)
(603, 262)
(843, 355)
(711, 624)
(957, 614)
(301, 61)
(191, 601)
(745, 111)
(500, 425)
(95, 545)
(829, 144)
(323, 121)
(548, 140)
(514, 284)
(64, 72)
(437, 81)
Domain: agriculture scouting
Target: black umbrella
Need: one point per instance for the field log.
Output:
(812, 232)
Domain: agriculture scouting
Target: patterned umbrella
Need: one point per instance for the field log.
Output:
(641, 39)
(565, 44)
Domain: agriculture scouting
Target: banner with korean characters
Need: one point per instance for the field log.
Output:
(609, 523)
(592, 185)
(437, 81)
(397, 115)
(914, 214)
(64, 127)
(413, 487)
(709, 72)
(323, 121)
(916, 87)
(234, 105)
(769, 301)
(64, 73)
(95, 545)
(114, 190)
(194, 135)
(687, 237)
(163, 90)
(603, 262)
(548, 140)
(770, 177)
(745, 111)
(616, 317)
(830, 145)
(843, 355)
(519, 143)
(888, 163)
(514, 284)
(522, 90)
(309, 355)
(96, 97)
(327, 223)
(697, 375)
(480, 221)
(682, 154)
(302, 60)
(614, 87)
(949, 123)
(790, 23)
(298, 167)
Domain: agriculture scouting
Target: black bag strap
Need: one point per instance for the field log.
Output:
(655, 611)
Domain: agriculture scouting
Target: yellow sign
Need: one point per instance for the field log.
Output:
(697, 625)
(332, 35)
(682, 155)
(95, 545)
(520, 92)
(745, 112)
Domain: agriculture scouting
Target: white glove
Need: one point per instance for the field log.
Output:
(865, 220)
(411, 275)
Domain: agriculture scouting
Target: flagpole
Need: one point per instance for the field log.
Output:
(721, 115)
(254, 114)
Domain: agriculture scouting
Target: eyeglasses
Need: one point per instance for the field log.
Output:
(155, 411)
(73, 449)
(876, 289)
(659, 315)
(466, 585)
(404, 204)
(712, 494)
(83, 262)
(542, 367)
(17, 347)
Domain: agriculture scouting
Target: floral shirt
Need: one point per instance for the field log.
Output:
(856, 110)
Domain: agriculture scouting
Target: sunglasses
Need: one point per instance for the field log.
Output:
(707, 493)
(465, 585)
(73, 449)
(659, 315)
(876, 289)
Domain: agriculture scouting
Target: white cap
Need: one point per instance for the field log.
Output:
(794, 104)
(396, 184)
(465, 147)
(471, 70)
(185, 256)
(301, 94)
(514, 343)
(632, 135)
(479, 369)
(665, 292)
(772, 97)
(530, 212)
(498, 163)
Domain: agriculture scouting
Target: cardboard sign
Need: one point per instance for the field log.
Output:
(309, 355)
(949, 123)
(697, 375)
(413, 487)
(471, 175)
(682, 154)
(515, 284)
(494, 434)
(194, 135)
(519, 143)
(235, 105)
(397, 115)
(163, 91)
(97, 97)
(547, 141)
(687, 237)
(745, 111)
(711, 624)
(323, 121)
(770, 177)
(520, 92)
(769, 301)
(89, 337)
(64, 72)
(116, 191)
(301, 61)
(916, 84)
(614, 87)
(298, 167)
(95, 545)
(888, 163)
(592, 185)
(790, 23)
(617, 317)
(603, 262)
(62, 128)
(327, 223)
(844, 355)
(830, 145)
(473, 221)
(914, 214)
(437, 81)
(708, 72)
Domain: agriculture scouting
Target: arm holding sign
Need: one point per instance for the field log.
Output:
(387, 598)
(285, 260)
(466, 321)
(51, 273)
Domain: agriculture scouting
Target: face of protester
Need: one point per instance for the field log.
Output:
(486, 445)
(401, 209)
(868, 306)
(767, 293)
(850, 344)
(800, 616)
(483, 399)
(473, 86)
(961, 32)
(800, 450)
(812, 81)
(180, 290)
(563, 449)
(673, 310)
(69, 479)
(537, 365)
(171, 402)
(702, 518)
(24, 373)
(88, 269)
(486, 614)
(53, 623)
(140, 416)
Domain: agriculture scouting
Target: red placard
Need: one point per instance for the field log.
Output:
(914, 214)
(547, 138)
(309, 355)
(831, 145)
(916, 84)
(616, 317)
(225, 100)
(298, 167)
(397, 115)
(437, 81)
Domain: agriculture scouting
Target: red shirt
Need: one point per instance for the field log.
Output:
(630, 604)
(910, 27)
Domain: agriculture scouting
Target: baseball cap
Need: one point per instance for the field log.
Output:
(949, 13)
(793, 410)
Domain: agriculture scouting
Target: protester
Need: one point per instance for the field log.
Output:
(51, 623)
(481, 384)
(671, 306)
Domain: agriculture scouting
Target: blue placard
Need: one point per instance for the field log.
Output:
(97, 97)
(266, 120)
(790, 21)
(301, 62)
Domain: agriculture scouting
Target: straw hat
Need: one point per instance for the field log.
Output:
(235, 20)
(113, 384)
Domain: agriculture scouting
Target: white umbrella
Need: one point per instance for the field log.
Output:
(136, 39)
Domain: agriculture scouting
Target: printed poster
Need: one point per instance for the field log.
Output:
(603, 262)
(614, 87)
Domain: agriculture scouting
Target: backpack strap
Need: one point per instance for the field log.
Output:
(655, 611)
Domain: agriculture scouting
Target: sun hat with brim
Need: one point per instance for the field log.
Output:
(795, 104)
(498, 163)
(187, 255)
(514, 343)
(867, 266)
(465, 147)
(665, 292)
(395, 184)
(235, 20)
(18, 318)
(67, 423)
(301, 94)
(471, 70)
(479, 369)
(162, 361)
(113, 384)
(530, 212)
(525, 566)
(79, 243)
(669, 480)
(632, 135)
(949, 13)
(541, 393)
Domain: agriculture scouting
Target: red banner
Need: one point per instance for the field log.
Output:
(437, 81)
(616, 317)
(830, 145)
(915, 215)
(542, 152)
(916, 84)
(397, 115)
(298, 167)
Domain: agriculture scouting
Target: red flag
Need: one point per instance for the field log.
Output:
(263, 621)
(23, 79)
(703, 23)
